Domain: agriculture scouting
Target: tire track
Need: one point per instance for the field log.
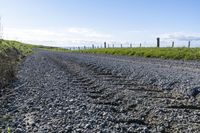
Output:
(106, 88)
(67, 92)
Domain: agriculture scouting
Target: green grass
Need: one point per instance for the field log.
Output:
(50, 48)
(25, 49)
(11, 52)
(165, 53)
(9, 130)
(20, 47)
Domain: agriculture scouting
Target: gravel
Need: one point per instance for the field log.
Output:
(73, 92)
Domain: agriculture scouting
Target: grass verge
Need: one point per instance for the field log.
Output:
(50, 48)
(165, 53)
(11, 52)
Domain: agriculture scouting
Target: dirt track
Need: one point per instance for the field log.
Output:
(71, 92)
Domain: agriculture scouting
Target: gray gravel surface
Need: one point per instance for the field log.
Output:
(73, 92)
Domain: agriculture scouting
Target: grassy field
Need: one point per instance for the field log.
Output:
(165, 53)
(11, 52)
(6, 45)
(50, 48)
(24, 49)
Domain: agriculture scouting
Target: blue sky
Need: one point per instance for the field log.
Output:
(75, 22)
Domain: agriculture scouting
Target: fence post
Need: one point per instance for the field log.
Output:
(158, 42)
(140, 45)
(189, 44)
(104, 44)
(92, 46)
(121, 45)
(172, 44)
(130, 45)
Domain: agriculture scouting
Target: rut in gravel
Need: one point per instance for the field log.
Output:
(68, 92)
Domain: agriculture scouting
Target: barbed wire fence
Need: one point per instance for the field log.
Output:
(158, 44)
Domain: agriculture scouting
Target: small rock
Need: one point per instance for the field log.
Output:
(19, 130)
(130, 129)
(146, 130)
(194, 91)
(117, 126)
(79, 130)
(87, 126)
(68, 128)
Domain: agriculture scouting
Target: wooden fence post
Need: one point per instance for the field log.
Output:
(158, 42)
(172, 44)
(104, 44)
(121, 45)
(140, 45)
(189, 44)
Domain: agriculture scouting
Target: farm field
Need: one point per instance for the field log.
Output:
(165, 53)
(78, 92)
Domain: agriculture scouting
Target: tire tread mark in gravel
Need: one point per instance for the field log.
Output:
(95, 76)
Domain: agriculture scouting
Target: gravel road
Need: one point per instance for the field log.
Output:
(73, 92)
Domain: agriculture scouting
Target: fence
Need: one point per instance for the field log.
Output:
(108, 45)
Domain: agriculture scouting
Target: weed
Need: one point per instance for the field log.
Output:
(9, 130)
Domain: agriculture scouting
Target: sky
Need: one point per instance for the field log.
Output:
(84, 22)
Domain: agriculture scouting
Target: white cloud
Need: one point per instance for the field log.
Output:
(88, 32)
(181, 36)
(72, 35)
(28, 34)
